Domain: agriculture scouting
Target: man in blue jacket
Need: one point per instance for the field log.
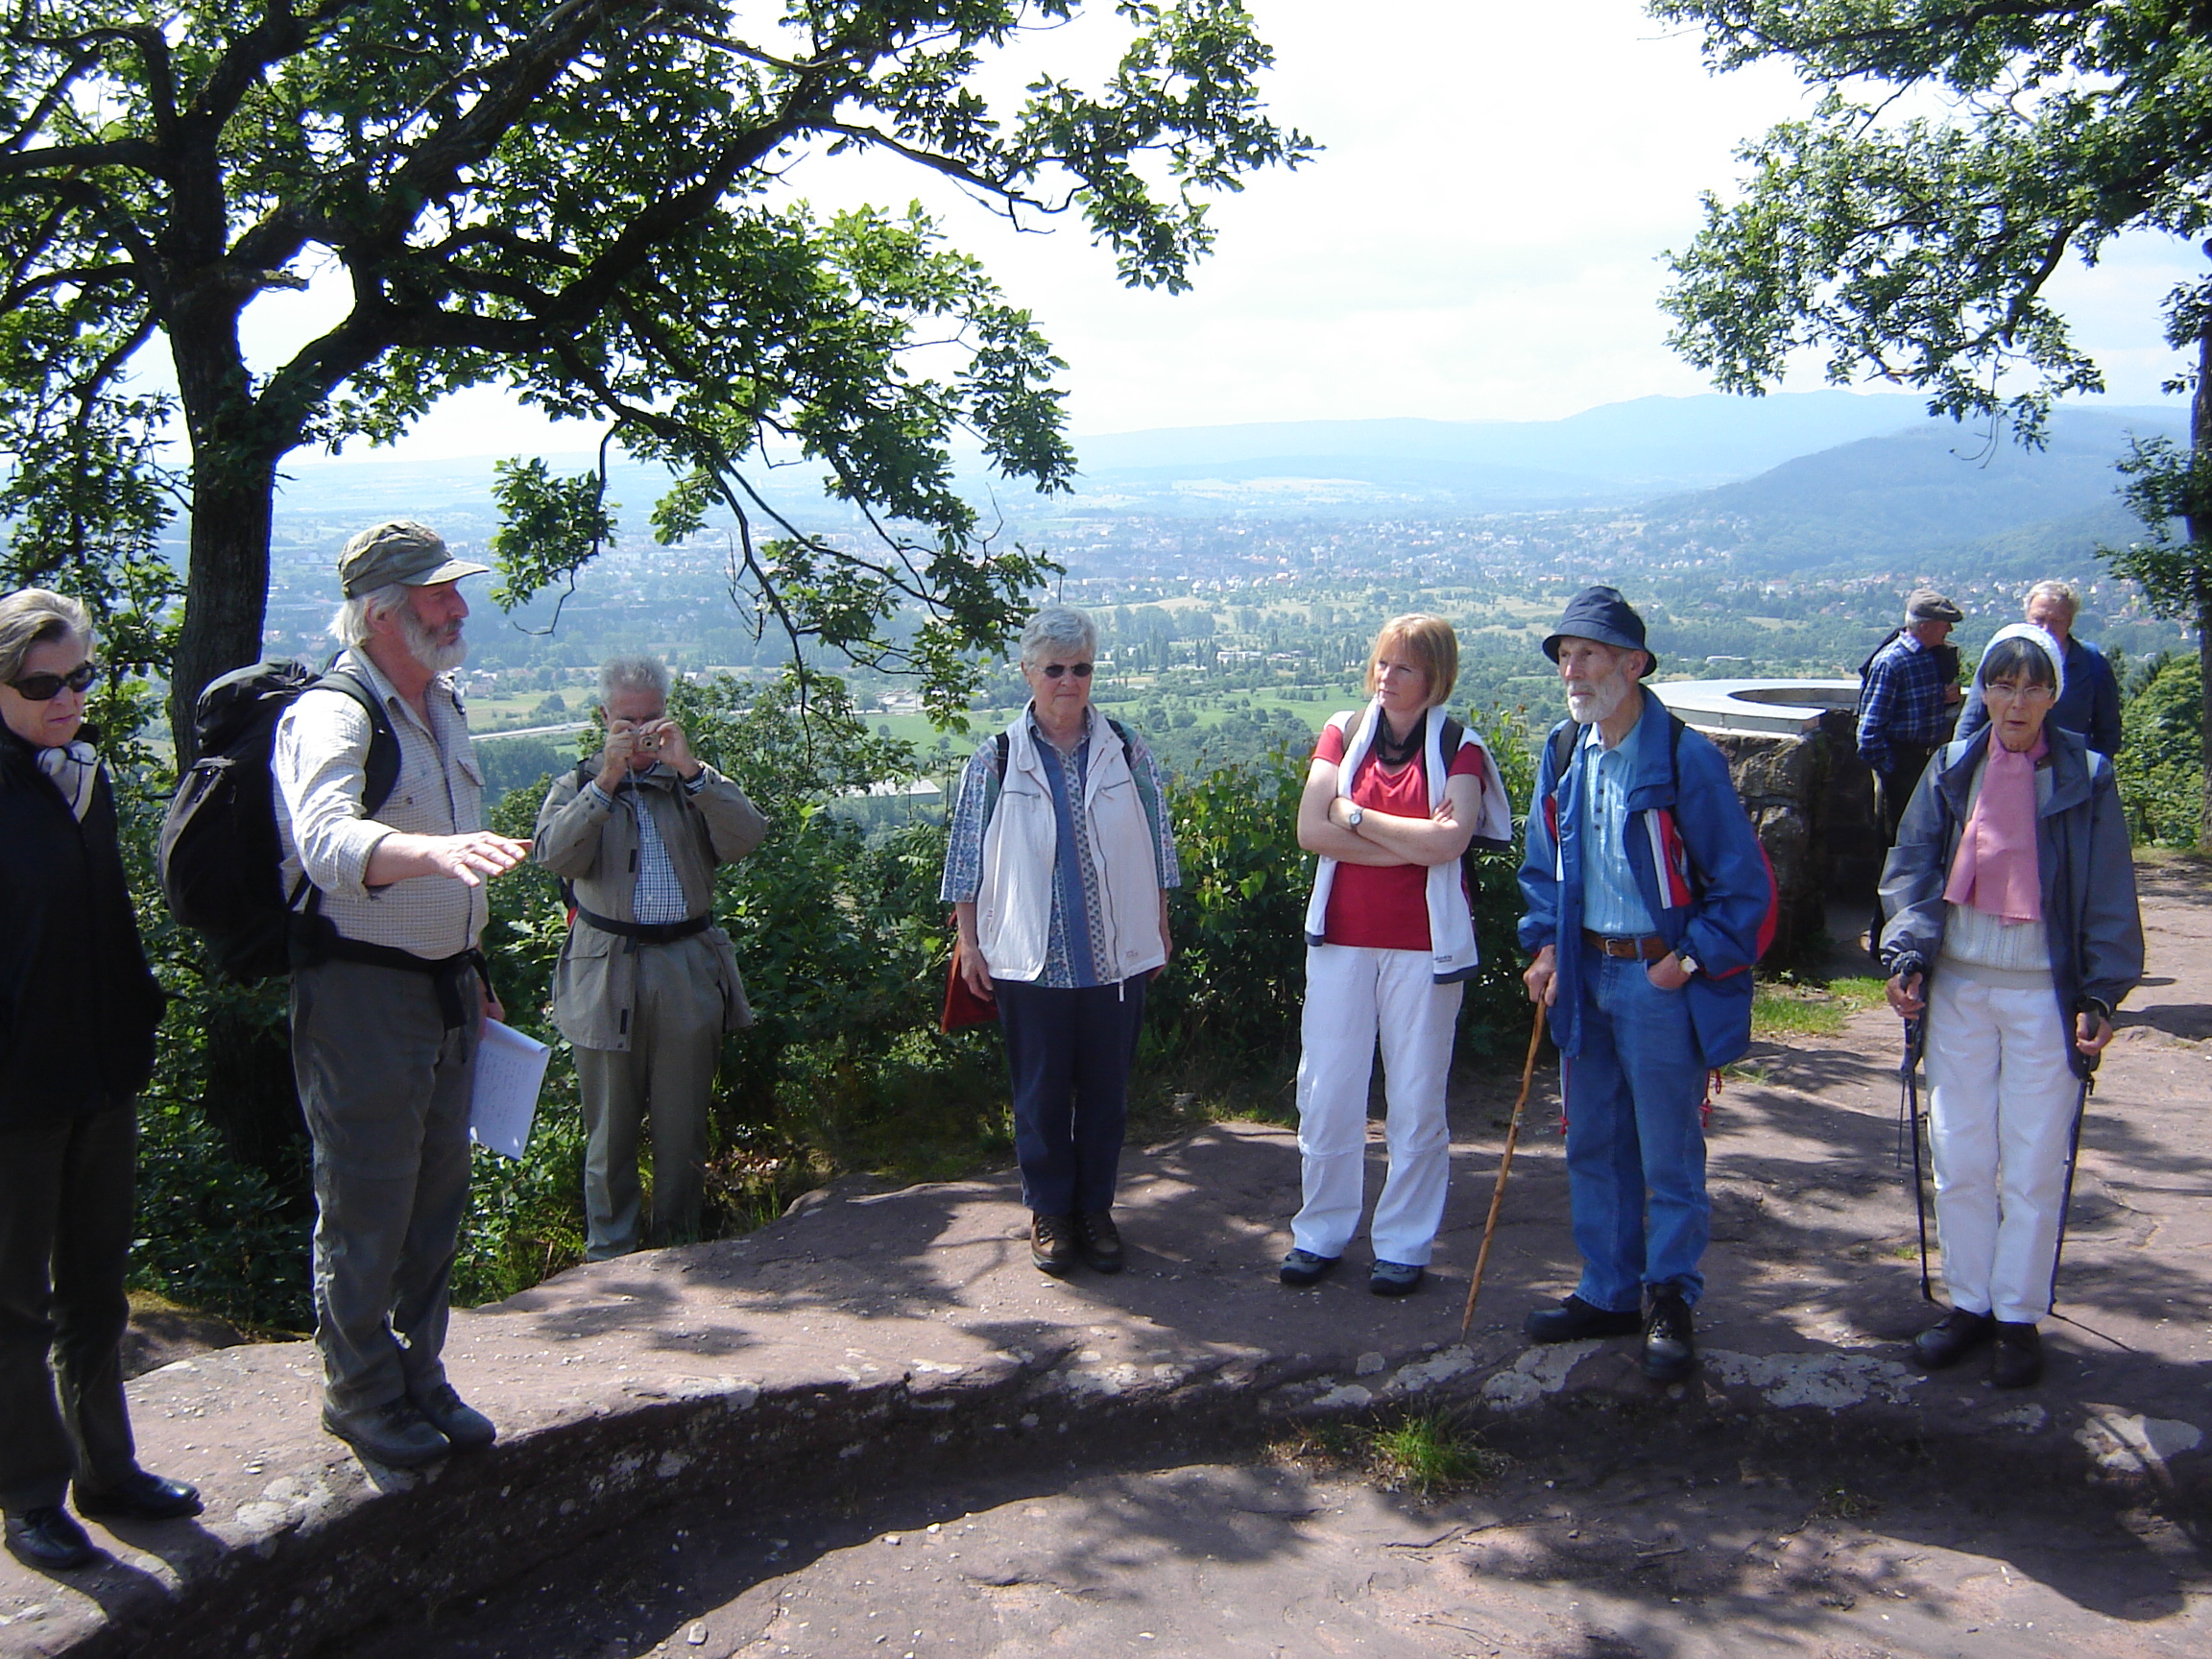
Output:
(2089, 706)
(1646, 890)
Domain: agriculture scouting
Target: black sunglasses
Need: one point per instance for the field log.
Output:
(45, 687)
(1053, 670)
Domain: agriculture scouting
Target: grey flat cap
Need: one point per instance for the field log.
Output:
(1926, 605)
(400, 551)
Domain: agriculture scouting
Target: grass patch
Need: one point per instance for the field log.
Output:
(1789, 1008)
(1425, 1454)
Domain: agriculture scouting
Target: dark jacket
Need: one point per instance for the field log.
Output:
(1727, 878)
(2089, 707)
(2088, 871)
(78, 1005)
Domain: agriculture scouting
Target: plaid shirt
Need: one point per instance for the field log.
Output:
(1903, 702)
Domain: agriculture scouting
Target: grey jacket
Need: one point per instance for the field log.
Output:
(587, 840)
(2088, 871)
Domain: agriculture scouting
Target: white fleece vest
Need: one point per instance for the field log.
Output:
(1014, 905)
(1452, 943)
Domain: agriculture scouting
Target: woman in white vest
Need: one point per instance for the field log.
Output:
(1057, 870)
(1395, 794)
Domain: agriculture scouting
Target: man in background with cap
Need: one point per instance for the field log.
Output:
(1908, 697)
(1645, 889)
(387, 991)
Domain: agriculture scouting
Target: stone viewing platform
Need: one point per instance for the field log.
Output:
(876, 1343)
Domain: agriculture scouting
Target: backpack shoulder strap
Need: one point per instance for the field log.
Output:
(381, 771)
(999, 745)
(1563, 741)
(1128, 752)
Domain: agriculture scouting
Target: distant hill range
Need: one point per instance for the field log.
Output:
(1934, 496)
(1792, 482)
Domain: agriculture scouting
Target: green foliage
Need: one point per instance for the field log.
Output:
(213, 1232)
(1430, 1452)
(2160, 765)
(1919, 249)
(475, 168)
(1228, 1005)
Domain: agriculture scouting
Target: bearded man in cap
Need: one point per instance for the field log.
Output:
(1646, 888)
(388, 990)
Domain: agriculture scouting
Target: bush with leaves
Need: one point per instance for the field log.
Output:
(2159, 766)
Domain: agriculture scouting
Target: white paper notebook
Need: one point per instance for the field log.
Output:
(510, 1068)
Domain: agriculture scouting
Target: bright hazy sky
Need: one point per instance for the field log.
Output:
(1480, 240)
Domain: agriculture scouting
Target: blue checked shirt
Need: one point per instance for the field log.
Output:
(1903, 702)
(1611, 904)
(659, 896)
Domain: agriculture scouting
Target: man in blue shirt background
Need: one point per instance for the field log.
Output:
(1905, 707)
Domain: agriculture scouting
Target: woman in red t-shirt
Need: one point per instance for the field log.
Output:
(1389, 943)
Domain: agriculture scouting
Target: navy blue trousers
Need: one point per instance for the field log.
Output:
(1070, 1054)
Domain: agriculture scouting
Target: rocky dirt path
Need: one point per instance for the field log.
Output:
(719, 1442)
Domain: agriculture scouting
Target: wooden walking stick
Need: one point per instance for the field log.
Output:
(1505, 1163)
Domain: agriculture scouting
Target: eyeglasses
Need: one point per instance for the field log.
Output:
(2028, 692)
(1053, 670)
(45, 687)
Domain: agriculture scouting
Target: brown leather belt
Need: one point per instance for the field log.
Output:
(1648, 948)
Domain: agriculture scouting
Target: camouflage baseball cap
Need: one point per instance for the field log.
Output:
(399, 551)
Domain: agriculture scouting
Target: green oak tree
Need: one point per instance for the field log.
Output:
(583, 201)
(1964, 152)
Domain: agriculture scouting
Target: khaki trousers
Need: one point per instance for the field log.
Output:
(386, 1090)
(668, 1075)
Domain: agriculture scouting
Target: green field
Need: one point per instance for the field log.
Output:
(1207, 710)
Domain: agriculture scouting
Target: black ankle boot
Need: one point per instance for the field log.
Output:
(1950, 1339)
(2019, 1362)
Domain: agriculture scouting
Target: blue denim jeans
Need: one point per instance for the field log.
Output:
(1635, 1142)
(1069, 1053)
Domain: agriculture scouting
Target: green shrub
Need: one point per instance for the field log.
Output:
(2160, 766)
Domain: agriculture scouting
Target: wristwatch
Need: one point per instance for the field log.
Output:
(1688, 961)
(1355, 818)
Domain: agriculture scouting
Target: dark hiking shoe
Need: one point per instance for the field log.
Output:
(393, 1433)
(1669, 1351)
(1574, 1320)
(461, 1423)
(1302, 1267)
(2019, 1361)
(1101, 1240)
(1395, 1278)
(141, 1496)
(1950, 1339)
(49, 1538)
(1053, 1246)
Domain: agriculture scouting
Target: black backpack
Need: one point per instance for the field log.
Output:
(221, 858)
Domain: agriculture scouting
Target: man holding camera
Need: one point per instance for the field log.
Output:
(647, 985)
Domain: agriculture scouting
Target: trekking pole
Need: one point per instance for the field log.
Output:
(2073, 1157)
(1909, 1121)
(1505, 1163)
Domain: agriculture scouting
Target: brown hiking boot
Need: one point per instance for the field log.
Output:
(1054, 1245)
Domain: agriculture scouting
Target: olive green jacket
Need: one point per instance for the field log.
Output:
(592, 842)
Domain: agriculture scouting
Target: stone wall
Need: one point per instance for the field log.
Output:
(1811, 800)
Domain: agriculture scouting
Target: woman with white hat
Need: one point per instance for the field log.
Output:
(2013, 929)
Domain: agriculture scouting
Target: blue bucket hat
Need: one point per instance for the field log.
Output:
(1602, 614)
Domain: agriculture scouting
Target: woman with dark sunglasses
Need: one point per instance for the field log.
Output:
(77, 1011)
(1057, 870)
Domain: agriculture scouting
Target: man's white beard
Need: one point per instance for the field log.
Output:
(423, 644)
(1602, 700)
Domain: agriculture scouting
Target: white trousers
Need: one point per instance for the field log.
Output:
(2002, 1098)
(1354, 994)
